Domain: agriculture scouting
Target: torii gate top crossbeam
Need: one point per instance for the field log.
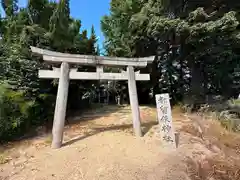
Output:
(57, 57)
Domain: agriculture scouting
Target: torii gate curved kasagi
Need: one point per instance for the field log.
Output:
(64, 74)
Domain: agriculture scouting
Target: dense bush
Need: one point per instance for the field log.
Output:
(14, 111)
(29, 101)
(230, 117)
(18, 113)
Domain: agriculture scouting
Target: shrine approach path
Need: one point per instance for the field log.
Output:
(99, 145)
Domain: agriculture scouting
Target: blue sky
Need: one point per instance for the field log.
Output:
(89, 12)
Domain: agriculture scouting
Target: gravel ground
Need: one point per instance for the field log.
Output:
(100, 146)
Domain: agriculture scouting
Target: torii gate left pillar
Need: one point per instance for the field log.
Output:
(60, 107)
(64, 74)
(132, 89)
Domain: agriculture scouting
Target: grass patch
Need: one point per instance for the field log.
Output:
(3, 158)
(218, 168)
(48, 139)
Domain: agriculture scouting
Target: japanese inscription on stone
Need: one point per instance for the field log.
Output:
(165, 120)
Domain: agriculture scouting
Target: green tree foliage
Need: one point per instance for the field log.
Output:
(29, 100)
(10, 7)
(196, 44)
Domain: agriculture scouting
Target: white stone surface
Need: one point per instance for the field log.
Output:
(165, 120)
(96, 58)
(50, 74)
(132, 89)
(61, 106)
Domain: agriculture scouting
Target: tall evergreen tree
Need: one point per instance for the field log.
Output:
(10, 7)
(43, 24)
(191, 42)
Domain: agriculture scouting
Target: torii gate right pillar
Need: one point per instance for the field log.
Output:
(132, 88)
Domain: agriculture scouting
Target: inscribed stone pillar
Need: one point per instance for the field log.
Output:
(165, 120)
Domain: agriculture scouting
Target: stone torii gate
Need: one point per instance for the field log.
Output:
(65, 73)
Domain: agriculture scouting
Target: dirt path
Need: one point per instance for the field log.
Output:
(101, 147)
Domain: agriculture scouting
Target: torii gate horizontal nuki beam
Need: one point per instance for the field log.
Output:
(48, 74)
(56, 57)
(65, 73)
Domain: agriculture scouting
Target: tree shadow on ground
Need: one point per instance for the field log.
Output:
(94, 113)
(96, 130)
